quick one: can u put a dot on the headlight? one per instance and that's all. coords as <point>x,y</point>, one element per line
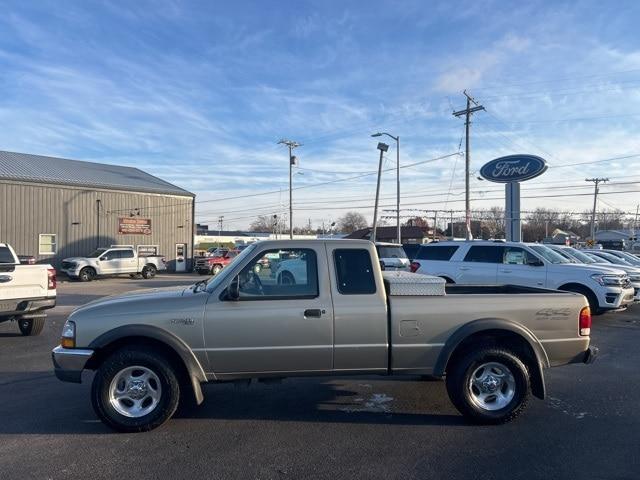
<point>609,279</point>
<point>68,339</point>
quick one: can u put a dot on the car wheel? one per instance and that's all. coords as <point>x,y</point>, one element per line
<point>489,385</point>
<point>87,274</point>
<point>594,306</point>
<point>135,390</point>
<point>31,327</point>
<point>148,272</point>
<point>286,278</point>
<point>216,269</point>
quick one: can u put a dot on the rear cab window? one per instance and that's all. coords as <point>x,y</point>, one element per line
<point>354,272</point>
<point>391,252</point>
<point>6,256</point>
<point>436,252</point>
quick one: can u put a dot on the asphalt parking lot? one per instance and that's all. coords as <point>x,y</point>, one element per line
<point>352,427</point>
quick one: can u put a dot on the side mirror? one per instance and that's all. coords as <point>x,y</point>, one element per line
<point>382,266</point>
<point>535,263</point>
<point>233,290</point>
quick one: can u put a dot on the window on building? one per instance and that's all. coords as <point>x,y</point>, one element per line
<point>47,244</point>
<point>354,271</point>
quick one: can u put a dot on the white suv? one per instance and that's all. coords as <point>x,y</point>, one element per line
<point>530,265</point>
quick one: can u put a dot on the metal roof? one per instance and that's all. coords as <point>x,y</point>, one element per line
<point>61,171</point>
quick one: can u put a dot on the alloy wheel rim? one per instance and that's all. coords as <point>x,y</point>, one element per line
<point>135,391</point>
<point>492,386</point>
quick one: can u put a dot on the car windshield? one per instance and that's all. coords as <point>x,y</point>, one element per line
<point>596,258</point>
<point>632,259</point>
<point>97,253</point>
<point>548,254</point>
<point>391,252</point>
<point>564,254</point>
<point>582,257</point>
<point>612,258</point>
<point>219,278</point>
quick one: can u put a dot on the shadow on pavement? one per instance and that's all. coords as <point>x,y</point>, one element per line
<point>64,408</point>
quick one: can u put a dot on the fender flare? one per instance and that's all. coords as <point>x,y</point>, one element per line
<point>190,362</point>
<point>487,324</point>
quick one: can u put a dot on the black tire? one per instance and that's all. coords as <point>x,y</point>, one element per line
<point>216,269</point>
<point>594,306</point>
<point>286,278</point>
<point>31,327</point>
<point>141,357</point>
<point>461,393</point>
<point>87,274</point>
<point>149,271</point>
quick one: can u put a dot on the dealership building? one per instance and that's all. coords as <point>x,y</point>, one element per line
<point>54,208</point>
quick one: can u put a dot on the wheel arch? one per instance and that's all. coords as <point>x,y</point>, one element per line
<point>178,352</point>
<point>499,332</point>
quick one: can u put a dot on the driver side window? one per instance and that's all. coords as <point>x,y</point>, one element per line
<point>280,274</point>
<point>518,256</point>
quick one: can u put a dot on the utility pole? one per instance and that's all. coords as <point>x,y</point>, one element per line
<point>383,147</point>
<point>292,161</point>
<point>635,223</point>
<point>597,182</point>
<point>435,224</point>
<point>220,219</point>
<point>467,157</point>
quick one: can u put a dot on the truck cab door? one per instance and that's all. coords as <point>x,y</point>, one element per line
<point>108,262</point>
<point>281,321</point>
<point>128,262</point>
<point>521,267</point>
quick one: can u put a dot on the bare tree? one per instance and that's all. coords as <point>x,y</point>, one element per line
<point>351,221</point>
<point>268,223</point>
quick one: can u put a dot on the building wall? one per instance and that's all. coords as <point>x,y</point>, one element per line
<point>29,209</point>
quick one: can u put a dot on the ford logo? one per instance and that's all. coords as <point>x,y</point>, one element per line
<point>513,168</point>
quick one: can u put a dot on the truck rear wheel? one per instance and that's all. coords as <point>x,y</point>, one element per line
<point>216,269</point>
<point>135,390</point>
<point>31,327</point>
<point>489,385</point>
<point>149,271</point>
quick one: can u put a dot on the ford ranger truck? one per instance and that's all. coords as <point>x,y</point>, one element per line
<point>26,292</point>
<point>340,315</point>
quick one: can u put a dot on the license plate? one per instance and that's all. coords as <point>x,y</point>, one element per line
<point>8,306</point>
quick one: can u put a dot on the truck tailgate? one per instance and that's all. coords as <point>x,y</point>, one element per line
<point>22,282</point>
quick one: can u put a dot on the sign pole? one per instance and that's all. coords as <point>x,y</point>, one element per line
<point>512,221</point>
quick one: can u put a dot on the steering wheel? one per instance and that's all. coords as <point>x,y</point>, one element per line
<point>257,282</point>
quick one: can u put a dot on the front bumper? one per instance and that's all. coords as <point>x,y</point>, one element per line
<point>613,298</point>
<point>72,273</point>
<point>68,363</point>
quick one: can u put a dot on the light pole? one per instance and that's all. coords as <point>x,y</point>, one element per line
<point>292,161</point>
<point>397,140</point>
<point>383,147</point>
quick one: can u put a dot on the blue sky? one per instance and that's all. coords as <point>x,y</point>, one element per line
<point>199,92</point>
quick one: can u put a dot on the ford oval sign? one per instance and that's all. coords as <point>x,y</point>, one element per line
<point>513,168</point>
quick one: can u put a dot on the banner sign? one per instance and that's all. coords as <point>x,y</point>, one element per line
<point>134,226</point>
<point>513,168</point>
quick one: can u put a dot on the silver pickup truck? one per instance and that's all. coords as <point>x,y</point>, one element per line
<point>340,315</point>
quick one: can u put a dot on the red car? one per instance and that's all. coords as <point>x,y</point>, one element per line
<point>212,265</point>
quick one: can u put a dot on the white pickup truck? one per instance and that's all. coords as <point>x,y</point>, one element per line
<point>112,261</point>
<point>25,291</point>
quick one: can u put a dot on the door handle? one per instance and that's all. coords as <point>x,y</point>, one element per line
<point>464,268</point>
<point>313,313</point>
<point>5,278</point>
<point>505,271</point>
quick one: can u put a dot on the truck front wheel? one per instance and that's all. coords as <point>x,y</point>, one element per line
<point>149,271</point>
<point>135,390</point>
<point>489,385</point>
<point>31,327</point>
<point>87,274</point>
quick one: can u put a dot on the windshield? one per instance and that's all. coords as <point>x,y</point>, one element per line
<point>632,259</point>
<point>97,253</point>
<point>391,252</point>
<point>548,254</point>
<point>612,258</point>
<point>580,256</point>
<point>220,277</point>
<point>597,259</point>
<point>564,254</point>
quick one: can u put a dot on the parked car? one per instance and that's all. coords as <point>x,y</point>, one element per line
<point>27,259</point>
<point>26,292</point>
<point>149,349</point>
<point>628,257</point>
<point>533,265</point>
<point>392,256</point>
<point>112,261</point>
<point>212,265</point>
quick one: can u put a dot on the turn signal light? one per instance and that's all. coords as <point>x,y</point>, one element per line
<point>51,285</point>
<point>68,342</point>
<point>585,321</point>
<point>414,267</point>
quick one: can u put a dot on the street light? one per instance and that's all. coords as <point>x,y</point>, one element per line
<point>383,147</point>
<point>397,140</point>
